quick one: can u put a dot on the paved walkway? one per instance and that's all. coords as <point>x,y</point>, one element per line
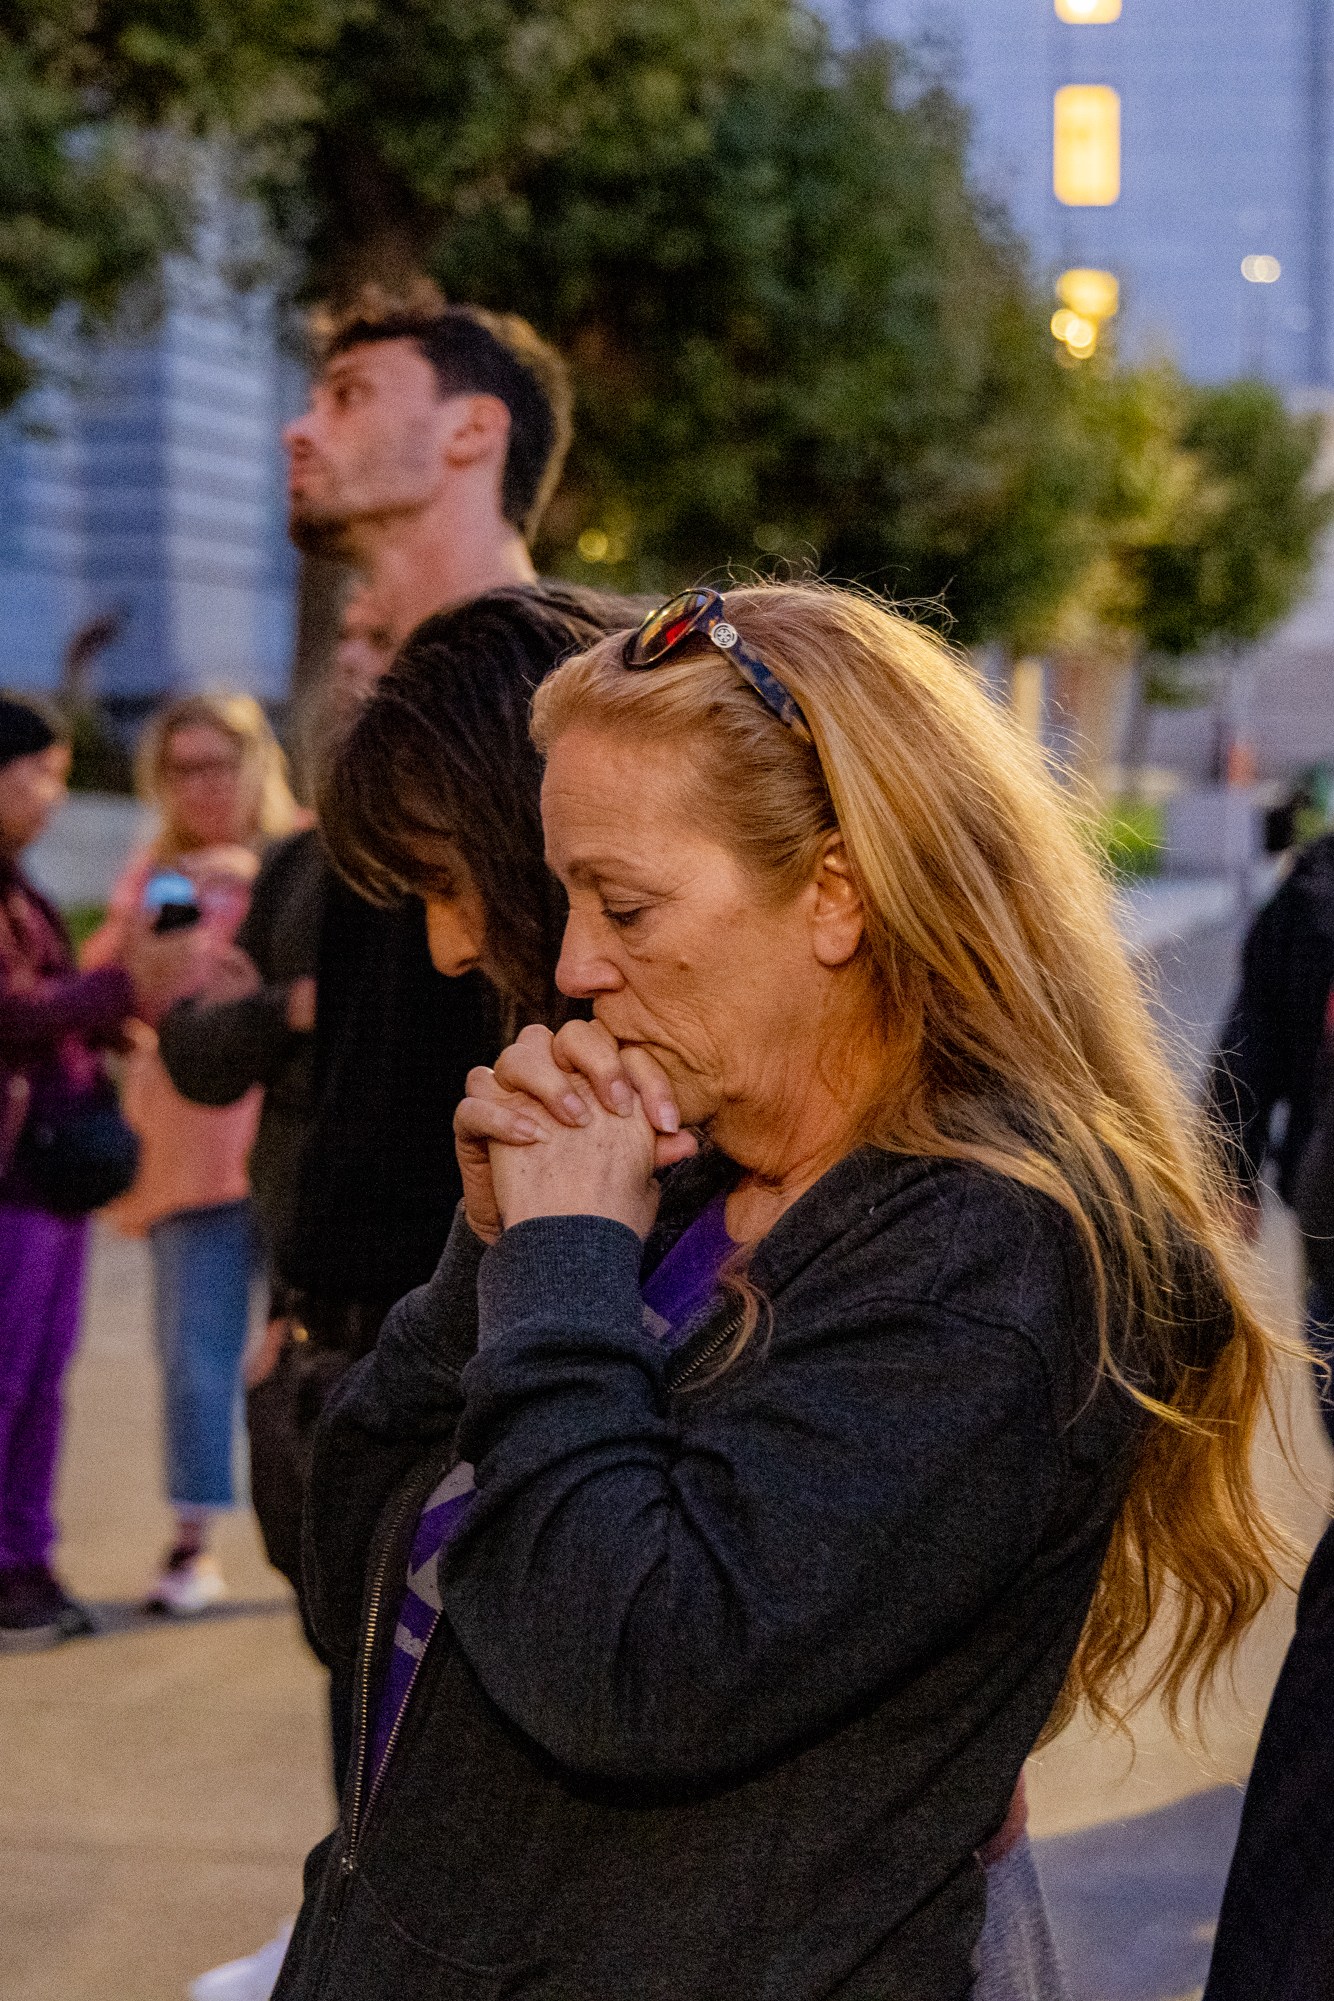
<point>161,1783</point>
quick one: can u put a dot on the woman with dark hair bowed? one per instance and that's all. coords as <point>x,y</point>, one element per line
<point>434,791</point>
<point>835,1365</point>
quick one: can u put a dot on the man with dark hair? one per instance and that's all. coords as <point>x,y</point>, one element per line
<point>432,442</point>
<point>431,446</point>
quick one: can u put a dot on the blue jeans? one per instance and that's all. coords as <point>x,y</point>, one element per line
<point>203,1260</point>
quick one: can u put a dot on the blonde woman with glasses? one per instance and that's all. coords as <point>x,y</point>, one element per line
<point>216,776</point>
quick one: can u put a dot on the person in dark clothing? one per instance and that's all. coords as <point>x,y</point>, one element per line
<point>431,444</point>
<point>1270,1044</point>
<point>393,1045</point>
<point>710,1550</point>
<point>1275,1937</point>
<point>354,1167</point>
<point>217,1048</point>
<point>433,794</point>
<point>54,1022</point>
<point>1269,1062</point>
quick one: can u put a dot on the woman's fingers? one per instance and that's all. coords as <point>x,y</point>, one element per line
<point>669,1148</point>
<point>490,1112</point>
<point>618,1073</point>
<point>561,1071</point>
<point>529,1065</point>
<point>651,1082</point>
<point>588,1050</point>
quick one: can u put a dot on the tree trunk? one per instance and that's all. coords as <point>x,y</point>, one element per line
<point>322,591</point>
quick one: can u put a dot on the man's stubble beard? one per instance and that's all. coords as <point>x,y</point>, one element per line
<point>331,536</point>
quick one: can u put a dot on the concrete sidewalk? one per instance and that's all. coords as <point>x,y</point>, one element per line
<point>162,1782</point>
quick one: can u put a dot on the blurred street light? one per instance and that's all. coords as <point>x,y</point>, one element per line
<point>598,545</point>
<point>1079,335</point>
<point>1086,145</point>
<point>1095,294</point>
<point>1084,13</point>
<point>1088,297</point>
<point>1259,270</point>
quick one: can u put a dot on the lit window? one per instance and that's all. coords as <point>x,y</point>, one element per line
<point>1085,12</point>
<point>1086,150</point>
<point>1094,295</point>
<point>1261,270</point>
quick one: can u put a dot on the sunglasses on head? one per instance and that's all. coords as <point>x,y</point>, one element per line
<point>700,615</point>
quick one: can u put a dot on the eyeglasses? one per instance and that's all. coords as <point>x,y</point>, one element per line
<point>182,770</point>
<point>700,615</point>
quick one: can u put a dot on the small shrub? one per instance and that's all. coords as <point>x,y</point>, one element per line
<point>1128,835</point>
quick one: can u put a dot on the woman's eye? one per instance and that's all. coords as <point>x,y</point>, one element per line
<point>622,918</point>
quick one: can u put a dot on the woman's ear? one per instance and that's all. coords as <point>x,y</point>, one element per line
<point>838,917</point>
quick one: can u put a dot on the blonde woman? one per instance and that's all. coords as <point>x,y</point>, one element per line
<point>835,1364</point>
<point>216,775</point>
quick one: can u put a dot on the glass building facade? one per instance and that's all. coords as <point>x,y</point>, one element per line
<point>1225,158</point>
<point>144,479</point>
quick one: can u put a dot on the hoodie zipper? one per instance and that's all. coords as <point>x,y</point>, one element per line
<point>676,1378</point>
<point>413,1496</point>
<point>407,1501</point>
<point>731,1325</point>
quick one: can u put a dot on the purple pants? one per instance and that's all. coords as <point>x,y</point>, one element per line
<point>41,1291</point>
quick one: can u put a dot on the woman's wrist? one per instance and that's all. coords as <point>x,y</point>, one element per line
<point>632,1213</point>
<point>485,1231</point>
<point>576,1272</point>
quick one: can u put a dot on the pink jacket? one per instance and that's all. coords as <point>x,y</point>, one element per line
<point>193,1156</point>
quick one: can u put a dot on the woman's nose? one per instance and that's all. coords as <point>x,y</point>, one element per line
<point>582,970</point>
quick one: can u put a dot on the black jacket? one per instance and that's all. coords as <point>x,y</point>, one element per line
<point>394,1042</point>
<point>215,1053</point>
<point>1276,1928</point>
<point>731,1680</point>
<point>354,1165</point>
<point>1269,1047</point>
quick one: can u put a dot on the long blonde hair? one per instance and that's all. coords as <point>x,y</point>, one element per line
<point>1017,1038</point>
<point>271,809</point>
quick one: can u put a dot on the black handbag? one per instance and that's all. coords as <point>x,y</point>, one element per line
<point>78,1158</point>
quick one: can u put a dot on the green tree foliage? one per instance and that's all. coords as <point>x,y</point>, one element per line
<point>84,208</point>
<point>1236,561</point>
<point>1203,528</point>
<point>797,334</point>
<point>1205,518</point>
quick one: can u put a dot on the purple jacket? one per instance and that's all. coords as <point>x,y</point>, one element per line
<point>53,1018</point>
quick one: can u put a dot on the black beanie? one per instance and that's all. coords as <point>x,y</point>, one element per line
<point>24,730</point>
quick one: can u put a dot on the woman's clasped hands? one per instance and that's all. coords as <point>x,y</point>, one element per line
<point>571,1124</point>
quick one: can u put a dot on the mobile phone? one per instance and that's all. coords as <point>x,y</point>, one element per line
<point>169,899</point>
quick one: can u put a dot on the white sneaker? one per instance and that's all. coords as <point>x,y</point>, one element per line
<point>250,1979</point>
<point>189,1582</point>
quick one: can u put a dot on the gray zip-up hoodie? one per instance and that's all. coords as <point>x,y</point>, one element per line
<point>731,1681</point>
